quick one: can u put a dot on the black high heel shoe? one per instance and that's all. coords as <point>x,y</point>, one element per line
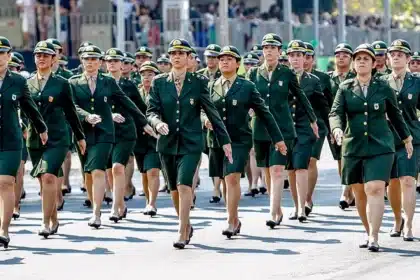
<point>343,205</point>
<point>229,233</point>
<point>194,199</point>
<point>54,230</point>
<point>180,244</point>
<point>373,247</point>
<point>83,189</point>
<point>302,218</point>
<point>61,207</point>
<point>308,209</point>
<point>87,203</point>
<point>190,235</point>
<point>4,241</point>
<point>124,215</point>
<point>272,224</point>
<point>16,215</point>
<point>44,232</point>
<point>114,218</point>
<point>397,233</point>
<point>286,184</point>
<point>214,199</point>
<point>23,195</point>
<point>263,190</point>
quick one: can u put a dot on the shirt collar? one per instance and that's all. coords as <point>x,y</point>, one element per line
<point>273,68</point>
<point>3,75</point>
<point>43,77</point>
<point>94,77</point>
<point>402,75</point>
<point>231,79</point>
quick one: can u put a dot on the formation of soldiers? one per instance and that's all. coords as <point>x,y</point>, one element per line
<point>269,125</point>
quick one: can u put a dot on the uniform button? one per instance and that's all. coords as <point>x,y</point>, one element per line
<point>92,108</point>
<point>366,133</point>
<point>294,106</point>
<point>224,118</point>
<point>144,133</point>
<point>39,94</point>
<point>397,92</point>
<point>399,102</point>
<point>177,111</point>
<point>177,120</point>
<point>365,113</point>
<point>39,103</point>
<point>113,106</point>
<point>365,103</point>
<point>177,102</point>
<point>294,114</point>
<point>268,95</point>
<point>224,109</point>
<point>294,123</point>
<point>223,100</point>
<point>268,84</point>
<point>294,97</point>
<point>92,99</point>
<point>0,95</point>
<point>365,123</point>
<point>177,129</point>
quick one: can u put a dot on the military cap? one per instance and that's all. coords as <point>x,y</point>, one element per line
<point>296,46</point>
<point>91,52</point>
<point>212,50</point>
<point>14,61</point>
<point>283,55</point>
<point>63,60</point>
<point>149,65</point>
<point>144,51</point>
<point>230,50</point>
<point>44,47</point>
<point>310,50</point>
<point>271,39</point>
<point>20,56</point>
<point>379,47</point>
<point>164,58</point>
<point>251,58</point>
<point>401,46</point>
<point>366,48</point>
<point>343,47</point>
<point>194,52</point>
<point>415,56</point>
<point>257,49</point>
<point>114,53</point>
<point>57,45</point>
<point>4,44</point>
<point>83,45</point>
<point>129,57</point>
<point>179,45</point>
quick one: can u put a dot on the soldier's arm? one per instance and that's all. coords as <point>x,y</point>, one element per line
<point>82,114</point>
<point>301,97</point>
<point>394,114</point>
<point>212,114</point>
<point>28,106</point>
<point>337,116</point>
<point>136,98</point>
<point>70,110</point>
<point>320,101</point>
<point>257,104</point>
<point>154,109</point>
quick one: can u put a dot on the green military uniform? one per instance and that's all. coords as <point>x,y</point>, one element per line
<point>126,132</point>
<point>14,94</point>
<point>336,80</point>
<point>147,157</point>
<point>408,102</point>
<point>368,144</point>
<point>101,136</point>
<point>276,90</point>
<point>206,73</point>
<point>64,73</point>
<point>53,96</point>
<point>180,150</point>
<point>141,51</point>
<point>380,49</point>
<point>233,106</point>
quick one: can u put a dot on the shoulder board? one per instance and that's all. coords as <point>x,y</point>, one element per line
<point>347,82</point>
<point>200,76</point>
<point>77,76</point>
<point>201,71</point>
<point>163,75</point>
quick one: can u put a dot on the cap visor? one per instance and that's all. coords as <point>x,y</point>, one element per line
<point>399,49</point>
<point>4,49</point>
<point>112,57</point>
<point>211,53</point>
<point>365,51</point>
<point>91,55</point>
<point>44,50</point>
<point>144,53</point>
<point>232,54</point>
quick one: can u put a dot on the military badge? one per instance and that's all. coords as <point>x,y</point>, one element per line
<point>176,43</point>
<point>192,101</point>
<point>269,37</point>
<point>13,97</point>
<point>398,43</point>
<point>89,49</point>
<point>376,106</point>
<point>142,49</point>
<point>211,47</point>
<point>105,99</point>
<point>112,52</point>
<point>377,47</point>
<point>410,96</point>
<point>234,102</point>
<point>281,83</point>
<point>295,44</point>
<point>50,99</point>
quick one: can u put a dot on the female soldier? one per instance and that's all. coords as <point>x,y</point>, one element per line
<point>148,161</point>
<point>53,95</point>
<point>404,171</point>
<point>360,109</point>
<point>234,97</point>
<point>175,103</point>
<point>125,134</point>
<point>276,83</point>
<point>414,64</point>
<point>92,93</point>
<point>305,141</point>
<point>13,91</point>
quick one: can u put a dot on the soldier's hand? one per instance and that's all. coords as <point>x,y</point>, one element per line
<point>208,125</point>
<point>409,146</point>
<point>118,118</point>
<point>44,137</point>
<point>82,146</point>
<point>281,147</point>
<point>25,134</point>
<point>93,119</point>
<point>315,129</point>
<point>162,128</point>
<point>338,136</point>
<point>228,152</point>
<point>149,130</point>
<point>332,140</point>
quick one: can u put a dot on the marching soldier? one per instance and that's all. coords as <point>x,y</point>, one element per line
<point>192,61</point>
<point>233,97</point>
<point>284,59</point>
<point>142,55</point>
<point>381,68</point>
<point>175,104</point>
<point>13,92</point>
<point>404,170</point>
<point>323,124</point>
<point>212,71</point>
<point>358,120</point>
<point>258,50</point>
<point>164,63</point>
<point>52,94</point>
<point>414,64</point>
<point>92,93</point>
<point>250,60</point>
<point>63,62</point>
<point>79,69</point>
<point>306,139</point>
<point>343,60</point>
<point>276,84</point>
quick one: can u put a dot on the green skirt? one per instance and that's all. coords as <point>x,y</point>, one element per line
<point>121,152</point>
<point>219,165</point>
<point>403,166</point>
<point>48,160</point>
<point>10,162</point>
<point>179,169</point>
<point>147,161</point>
<point>266,155</point>
<point>96,157</point>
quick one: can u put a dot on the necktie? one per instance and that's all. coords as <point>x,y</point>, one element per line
<point>398,82</point>
<point>365,90</point>
<point>42,83</point>
<point>178,85</point>
<point>92,85</point>
<point>1,81</point>
<point>226,86</point>
<point>342,77</point>
<point>298,78</point>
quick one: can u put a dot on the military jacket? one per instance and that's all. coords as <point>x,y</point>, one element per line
<point>234,107</point>
<point>325,85</point>
<point>64,73</point>
<point>55,103</point>
<point>335,80</point>
<point>206,72</point>
<point>107,91</point>
<point>408,102</point>
<point>363,119</point>
<point>275,93</point>
<point>15,95</point>
<point>182,114</point>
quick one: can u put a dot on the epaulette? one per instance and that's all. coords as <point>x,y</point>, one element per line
<point>200,76</point>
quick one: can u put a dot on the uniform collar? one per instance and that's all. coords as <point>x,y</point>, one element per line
<point>3,75</point>
<point>231,79</point>
<point>43,77</point>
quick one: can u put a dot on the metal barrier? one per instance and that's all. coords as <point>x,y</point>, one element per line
<point>100,28</point>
